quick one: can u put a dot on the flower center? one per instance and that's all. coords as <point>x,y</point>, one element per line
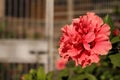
<point>92,44</point>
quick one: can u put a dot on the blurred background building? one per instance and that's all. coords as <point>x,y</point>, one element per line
<point>30,31</point>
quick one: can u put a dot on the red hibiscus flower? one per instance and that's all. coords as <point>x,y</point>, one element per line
<point>85,40</point>
<point>61,64</point>
<point>116,32</point>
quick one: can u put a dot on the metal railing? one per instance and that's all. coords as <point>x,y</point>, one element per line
<point>15,71</point>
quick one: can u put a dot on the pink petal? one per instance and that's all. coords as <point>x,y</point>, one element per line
<point>102,47</point>
<point>105,29</point>
<point>73,52</point>
<point>90,37</point>
<point>101,37</point>
<point>86,45</point>
<point>90,13</point>
<point>61,63</point>
<point>76,20</point>
<point>94,58</point>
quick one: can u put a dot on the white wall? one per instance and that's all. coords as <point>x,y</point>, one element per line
<point>18,51</point>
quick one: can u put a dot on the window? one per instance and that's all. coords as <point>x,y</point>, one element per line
<point>25,8</point>
<point>61,2</point>
<point>17,8</point>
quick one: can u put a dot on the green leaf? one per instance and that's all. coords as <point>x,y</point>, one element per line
<point>64,72</point>
<point>33,74</point>
<point>30,75</point>
<point>70,64</point>
<point>50,75</point>
<point>115,59</point>
<point>77,77</point>
<point>27,77</point>
<point>41,74</point>
<point>85,76</point>
<point>78,69</point>
<point>90,68</point>
<point>107,19</point>
<point>38,74</point>
<point>115,39</point>
<point>90,76</point>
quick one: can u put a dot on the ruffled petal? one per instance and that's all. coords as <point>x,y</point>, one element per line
<point>102,47</point>
<point>105,29</point>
